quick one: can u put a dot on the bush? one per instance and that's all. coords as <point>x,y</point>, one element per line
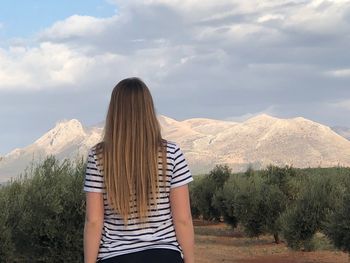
<point>42,212</point>
<point>283,177</point>
<point>203,190</point>
<point>194,187</point>
<point>219,175</point>
<point>273,202</point>
<point>6,246</point>
<point>305,217</point>
<point>254,201</point>
<point>247,205</point>
<point>337,225</point>
<point>45,218</point>
<point>223,201</point>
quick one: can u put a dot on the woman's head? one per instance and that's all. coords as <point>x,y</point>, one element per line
<point>130,148</point>
<point>131,108</point>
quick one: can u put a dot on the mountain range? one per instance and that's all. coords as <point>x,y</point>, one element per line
<point>258,141</point>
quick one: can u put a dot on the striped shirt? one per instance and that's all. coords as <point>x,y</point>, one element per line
<point>159,233</point>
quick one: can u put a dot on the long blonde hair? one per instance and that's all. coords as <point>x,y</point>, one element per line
<point>129,150</point>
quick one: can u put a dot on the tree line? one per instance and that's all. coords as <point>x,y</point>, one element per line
<point>282,201</point>
<point>42,211</point>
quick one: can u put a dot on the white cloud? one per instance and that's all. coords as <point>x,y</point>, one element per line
<point>77,26</point>
<point>340,73</point>
<point>162,38</point>
<point>45,66</point>
<point>238,33</point>
<point>269,17</point>
<point>322,17</point>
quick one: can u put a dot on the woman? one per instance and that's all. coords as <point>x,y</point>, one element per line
<point>137,200</point>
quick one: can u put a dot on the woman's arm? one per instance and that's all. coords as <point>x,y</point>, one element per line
<point>93,225</point>
<point>181,213</point>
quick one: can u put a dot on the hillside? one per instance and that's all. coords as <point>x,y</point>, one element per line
<point>260,140</point>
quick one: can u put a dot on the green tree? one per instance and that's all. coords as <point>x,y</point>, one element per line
<point>282,177</point>
<point>337,225</point>
<point>219,175</point>
<point>203,191</point>
<point>223,201</point>
<point>46,215</point>
<point>253,201</point>
<point>6,246</point>
<point>305,217</point>
<point>273,204</point>
<point>201,197</point>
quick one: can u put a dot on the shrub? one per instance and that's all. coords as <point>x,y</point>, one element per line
<point>282,177</point>
<point>6,246</point>
<point>202,192</point>
<point>305,217</point>
<point>45,218</point>
<point>223,201</point>
<point>337,224</point>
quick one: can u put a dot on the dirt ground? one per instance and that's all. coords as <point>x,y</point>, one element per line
<point>232,246</point>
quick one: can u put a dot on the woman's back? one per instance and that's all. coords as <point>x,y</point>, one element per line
<point>159,231</point>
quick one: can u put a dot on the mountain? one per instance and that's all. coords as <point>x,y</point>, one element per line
<point>67,139</point>
<point>259,141</point>
<point>343,131</point>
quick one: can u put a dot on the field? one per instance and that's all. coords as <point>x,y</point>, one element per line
<point>216,242</point>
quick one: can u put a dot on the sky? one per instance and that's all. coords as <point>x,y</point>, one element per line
<point>224,59</point>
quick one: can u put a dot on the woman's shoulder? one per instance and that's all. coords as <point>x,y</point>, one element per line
<point>96,148</point>
<point>96,151</point>
<point>171,145</point>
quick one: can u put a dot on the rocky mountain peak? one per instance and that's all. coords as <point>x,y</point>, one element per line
<point>64,132</point>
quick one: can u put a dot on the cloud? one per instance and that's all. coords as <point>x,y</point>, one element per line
<point>270,17</point>
<point>322,17</point>
<point>233,51</point>
<point>162,35</point>
<point>77,26</point>
<point>47,65</point>
<point>340,73</point>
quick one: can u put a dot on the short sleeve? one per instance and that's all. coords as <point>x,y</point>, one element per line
<point>93,181</point>
<point>181,173</point>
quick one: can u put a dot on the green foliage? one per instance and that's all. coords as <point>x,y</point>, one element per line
<point>42,213</point>
<point>337,223</point>
<point>254,200</point>
<point>254,203</point>
<point>194,189</point>
<point>203,190</point>
<point>6,246</point>
<point>201,198</point>
<point>219,175</point>
<point>282,178</point>
<point>273,202</point>
<point>293,202</point>
<point>249,171</point>
<point>247,205</point>
<point>45,213</point>
<point>305,217</point>
<point>223,201</point>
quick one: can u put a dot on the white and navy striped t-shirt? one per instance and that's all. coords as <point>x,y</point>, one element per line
<point>160,232</point>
